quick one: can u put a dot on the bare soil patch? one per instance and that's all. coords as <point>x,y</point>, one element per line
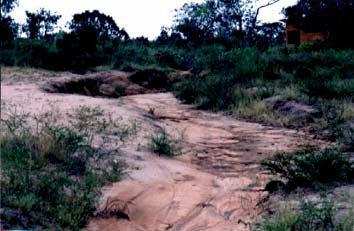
<point>216,184</point>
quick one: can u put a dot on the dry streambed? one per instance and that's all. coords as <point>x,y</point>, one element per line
<point>216,184</point>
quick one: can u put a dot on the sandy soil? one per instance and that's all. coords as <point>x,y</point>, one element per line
<point>216,184</point>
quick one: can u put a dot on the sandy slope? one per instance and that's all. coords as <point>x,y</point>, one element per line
<point>215,185</point>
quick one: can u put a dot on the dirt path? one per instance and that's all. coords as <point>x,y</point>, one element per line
<point>215,185</point>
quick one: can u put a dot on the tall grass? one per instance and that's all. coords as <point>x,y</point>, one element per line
<point>240,79</point>
<point>312,167</point>
<point>52,171</point>
<point>163,144</point>
<point>309,217</point>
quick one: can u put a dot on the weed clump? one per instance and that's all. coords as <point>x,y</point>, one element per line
<point>311,167</point>
<point>240,81</point>
<point>309,217</point>
<point>52,171</point>
<point>161,143</point>
<point>150,78</point>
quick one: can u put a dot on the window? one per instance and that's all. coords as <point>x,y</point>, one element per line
<point>294,37</point>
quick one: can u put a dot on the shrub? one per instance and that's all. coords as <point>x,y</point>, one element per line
<point>239,80</point>
<point>7,56</point>
<point>189,89</point>
<point>309,217</point>
<point>33,53</point>
<point>326,84</point>
<point>173,57</point>
<point>119,90</point>
<point>335,122</point>
<point>207,57</point>
<point>51,172</point>
<point>314,66</point>
<point>133,53</point>
<point>150,78</point>
<point>223,73</point>
<point>282,220</point>
<point>316,45</point>
<point>162,144</point>
<point>311,167</point>
<point>145,55</point>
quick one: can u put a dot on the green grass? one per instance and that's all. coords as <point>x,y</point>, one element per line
<point>238,80</point>
<point>52,172</point>
<point>163,144</point>
<point>134,57</point>
<point>93,119</point>
<point>309,217</point>
<point>282,220</point>
<point>311,167</point>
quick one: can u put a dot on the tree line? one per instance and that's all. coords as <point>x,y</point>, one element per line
<point>92,36</point>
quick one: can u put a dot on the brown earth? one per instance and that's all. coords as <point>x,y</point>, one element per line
<point>105,84</point>
<point>216,184</point>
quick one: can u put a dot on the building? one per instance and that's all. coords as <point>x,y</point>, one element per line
<point>295,35</point>
<point>308,22</point>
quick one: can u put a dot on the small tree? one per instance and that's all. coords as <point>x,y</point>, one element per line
<point>213,20</point>
<point>195,21</point>
<point>39,24</point>
<point>85,46</point>
<point>102,26</point>
<point>7,6</point>
<point>269,34</point>
<point>8,27</point>
<point>50,21</point>
<point>33,25</point>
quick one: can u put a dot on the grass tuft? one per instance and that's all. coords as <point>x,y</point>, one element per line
<point>162,144</point>
<point>311,167</point>
<point>309,217</point>
<point>52,172</point>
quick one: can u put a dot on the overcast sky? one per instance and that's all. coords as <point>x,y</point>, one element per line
<point>138,17</point>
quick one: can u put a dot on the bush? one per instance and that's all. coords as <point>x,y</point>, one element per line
<point>173,57</point>
<point>145,55</point>
<point>313,66</point>
<point>314,46</point>
<point>7,56</point>
<point>211,92</point>
<point>132,53</point>
<point>326,83</point>
<point>239,79</point>
<point>215,89</point>
<point>189,89</point>
<point>119,90</point>
<point>33,53</point>
<point>336,123</point>
<point>151,78</point>
<point>207,57</point>
<point>311,167</point>
<point>239,63</point>
<point>162,144</point>
<point>52,172</point>
<point>309,217</point>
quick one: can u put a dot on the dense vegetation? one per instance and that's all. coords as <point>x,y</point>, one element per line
<point>312,167</point>
<point>309,217</point>
<point>257,86</point>
<point>95,39</point>
<point>52,172</point>
<point>163,144</point>
<point>235,64</point>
